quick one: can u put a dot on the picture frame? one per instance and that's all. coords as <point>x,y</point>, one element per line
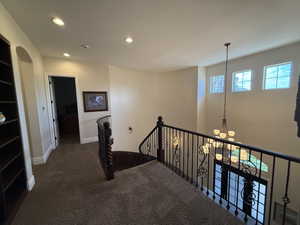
<point>94,101</point>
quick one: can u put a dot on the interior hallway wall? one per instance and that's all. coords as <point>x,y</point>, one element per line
<point>17,38</point>
<point>89,76</point>
<point>26,71</point>
<point>138,98</point>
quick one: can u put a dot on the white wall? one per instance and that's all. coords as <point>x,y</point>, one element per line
<point>138,98</point>
<point>12,32</point>
<point>88,76</point>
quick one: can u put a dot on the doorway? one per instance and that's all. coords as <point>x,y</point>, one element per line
<point>64,109</point>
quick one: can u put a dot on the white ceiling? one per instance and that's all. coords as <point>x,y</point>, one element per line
<point>168,34</point>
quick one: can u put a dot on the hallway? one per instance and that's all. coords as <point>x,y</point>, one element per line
<point>71,190</point>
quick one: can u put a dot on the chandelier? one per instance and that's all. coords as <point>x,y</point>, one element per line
<point>225,152</point>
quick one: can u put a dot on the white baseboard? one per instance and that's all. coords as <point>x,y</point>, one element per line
<point>43,159</point>
<point>38,160</point>
<point>89,140</point>
<point>30,183</point>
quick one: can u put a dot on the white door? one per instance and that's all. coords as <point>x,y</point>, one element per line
<point>54,112</point>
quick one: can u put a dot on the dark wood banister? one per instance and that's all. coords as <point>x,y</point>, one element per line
<point>145,139</point>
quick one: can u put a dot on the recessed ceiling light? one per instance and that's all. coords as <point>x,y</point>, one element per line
<point>67,54</point>
<point>85,46</point>
<point>129,40</point>
<point>58,21</point>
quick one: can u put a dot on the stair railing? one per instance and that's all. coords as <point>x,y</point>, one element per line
<point>105,143</point>
<point>254,184</point>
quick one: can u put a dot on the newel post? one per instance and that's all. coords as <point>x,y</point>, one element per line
<point>160,150</point>
<point>108,141</point>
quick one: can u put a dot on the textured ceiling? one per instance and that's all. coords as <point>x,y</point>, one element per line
<point>168,34</point>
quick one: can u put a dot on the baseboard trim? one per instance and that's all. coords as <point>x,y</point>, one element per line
<point>30,183</point>
<point>43,159</point>
<point>47,153</point>
<point>38,160</point>
<point>89,140</point>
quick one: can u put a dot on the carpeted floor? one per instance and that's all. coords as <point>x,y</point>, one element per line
<point>71,190</point>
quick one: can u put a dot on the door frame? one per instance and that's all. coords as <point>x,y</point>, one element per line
<point>48,99</point>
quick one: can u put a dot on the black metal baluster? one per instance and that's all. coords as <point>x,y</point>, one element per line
<point>214,180</point>
<point>249,159</point>
<point>286,199</point>
<point>238,185</point>
<point>258,191</point>
<point>229,177</point>
<point>183,155</point>
<point>192,177</point>
<point>197,177</point>
<point>169,147</point>
<point>271,189</point>
<point>180,150</point>
<point>166,146</point>
<point>188,157</point>
<point>152,143</point>
<point>208,169</point>
<point>203,141</point>
<point>222,168</point>
<point>177,151</point>
<point>172,149</point>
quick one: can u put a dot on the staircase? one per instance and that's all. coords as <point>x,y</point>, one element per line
<point>252,184</point>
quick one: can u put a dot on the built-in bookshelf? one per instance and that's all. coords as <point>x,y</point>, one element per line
<point>12,167</point>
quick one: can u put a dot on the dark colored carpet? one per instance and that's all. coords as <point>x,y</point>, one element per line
<point>71,190</point>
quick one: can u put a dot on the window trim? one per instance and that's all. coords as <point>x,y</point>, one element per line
<point>239,172</point>
<point>277,64</point>
<point>232,80</point>
<point>210,80</point>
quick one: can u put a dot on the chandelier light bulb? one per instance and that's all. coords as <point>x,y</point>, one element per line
<point>223,135</point>
<point>231,133</point>
<point>219,156</point>
<point>217,132</point>
<point>231,139</point>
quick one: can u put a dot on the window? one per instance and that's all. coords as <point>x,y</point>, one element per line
<point>229,182</point>
<point>277,76</point>
<point>216,84</point>
<point>241,81</point>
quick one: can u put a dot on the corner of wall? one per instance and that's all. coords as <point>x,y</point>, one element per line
<point>30,183</point>
<point>201,100</point>
<point>43,159</point>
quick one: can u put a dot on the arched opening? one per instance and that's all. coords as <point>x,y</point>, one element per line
<point>30,101</point>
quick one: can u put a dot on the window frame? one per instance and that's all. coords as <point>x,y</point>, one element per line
<point>210,83</point>
<point>277,64</point>
<point>232,80</point>
<point>224,188</point>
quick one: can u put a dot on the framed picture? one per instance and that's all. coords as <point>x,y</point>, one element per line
<point>95,101</point>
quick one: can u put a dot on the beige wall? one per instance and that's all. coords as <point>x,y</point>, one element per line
<point>88,77</point>
<point>30,104</point>
<point>138,98</point>
<point>263,118</point>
